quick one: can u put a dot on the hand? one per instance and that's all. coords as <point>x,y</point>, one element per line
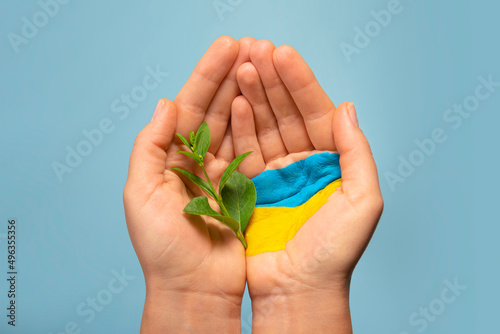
<point>283,116</point>
<point>194,266</point>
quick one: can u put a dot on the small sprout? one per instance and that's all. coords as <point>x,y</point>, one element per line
<point>236,196</point>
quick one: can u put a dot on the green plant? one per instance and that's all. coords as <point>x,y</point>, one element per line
<point>236,196</point>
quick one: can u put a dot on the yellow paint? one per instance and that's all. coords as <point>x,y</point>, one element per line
<point>270,228</point>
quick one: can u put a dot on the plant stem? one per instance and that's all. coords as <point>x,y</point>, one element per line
<point>240,236</point>
<point>208,179</point>
<point>218,199</point>
<point>223,208</point>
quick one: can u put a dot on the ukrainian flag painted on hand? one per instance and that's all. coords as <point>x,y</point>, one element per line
<point>287,198</point>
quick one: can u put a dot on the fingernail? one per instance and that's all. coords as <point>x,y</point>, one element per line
<point>352,113</point>
<point>159,107</point>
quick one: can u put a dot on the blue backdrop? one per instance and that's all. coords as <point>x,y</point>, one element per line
<point>425,79</point>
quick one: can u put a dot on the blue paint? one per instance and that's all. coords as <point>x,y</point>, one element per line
<point>298,182</point>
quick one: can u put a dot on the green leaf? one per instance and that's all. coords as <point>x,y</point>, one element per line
<point>184,140</point>
<point>200,206</point>
<point>198,181</point>
<point>239,197</point>
<point>230,170</point>
<point>191,155</point>
<point>202,139</point>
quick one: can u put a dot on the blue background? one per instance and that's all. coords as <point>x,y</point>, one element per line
<point>441,223</point>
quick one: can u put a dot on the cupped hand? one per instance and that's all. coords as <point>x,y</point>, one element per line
<point>283,116</point>
<point>183,254</point>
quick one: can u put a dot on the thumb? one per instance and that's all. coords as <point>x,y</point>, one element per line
<point>148,157</point>
<point>359,172</point>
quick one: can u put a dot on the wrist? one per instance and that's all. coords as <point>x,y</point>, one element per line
<point>189,312</point>
<point>309,312</point>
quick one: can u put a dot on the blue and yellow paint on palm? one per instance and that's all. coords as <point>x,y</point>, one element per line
<point>287,197</point>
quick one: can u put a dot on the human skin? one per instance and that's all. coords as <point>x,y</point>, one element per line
<point>194,266</point>
<point>283,116</point>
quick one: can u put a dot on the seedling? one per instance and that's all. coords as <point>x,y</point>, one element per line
<point>236,196</point>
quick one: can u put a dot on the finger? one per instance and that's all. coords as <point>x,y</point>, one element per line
<point>359,172</point>
<point>148,157</point>
<point>290,122</point>
<point>314,104</point>
<point>245,137</point>
<point>195,96</point>
<point>266,126</point>
<point>219,111</point>
<point>226,149</point>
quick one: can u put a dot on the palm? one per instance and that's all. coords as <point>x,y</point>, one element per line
<point>324,249</point>
<point>312,255</point>
<point>204,242</point>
